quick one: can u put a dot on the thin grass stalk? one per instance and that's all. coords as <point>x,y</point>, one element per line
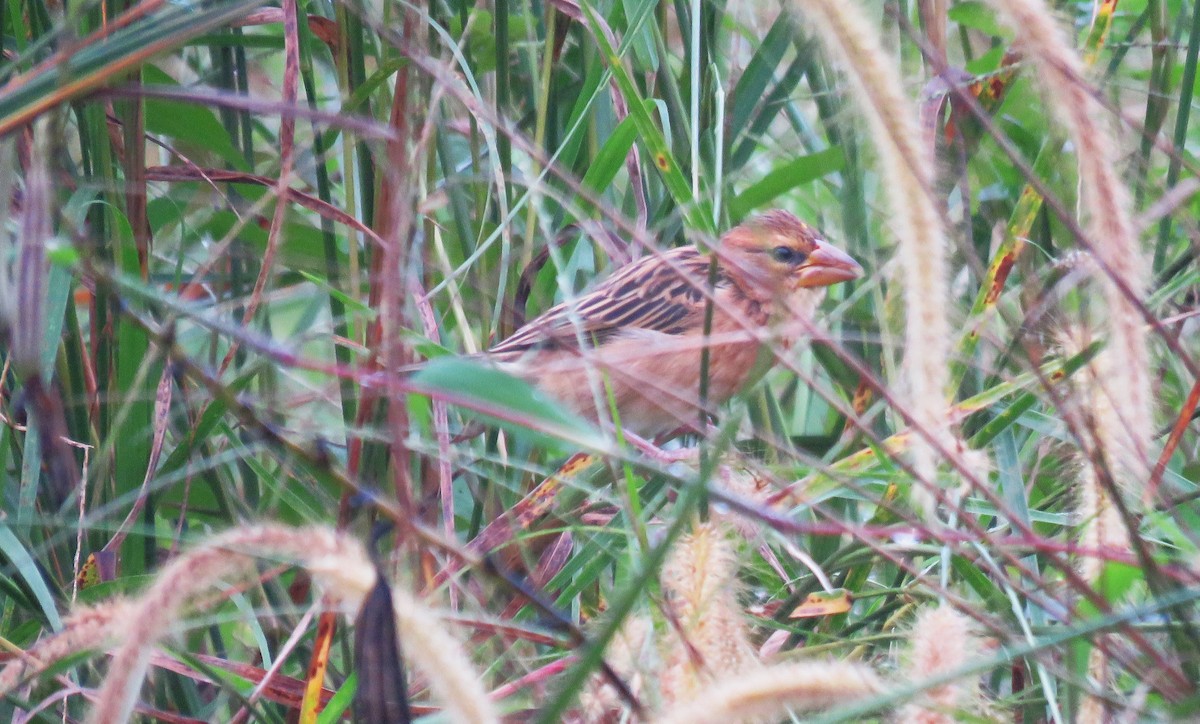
<point>10,252</point>
<point>718,186</point>
<point>287,137</point>
<point>694,95</point>
<point>1105,200</point>
<point>908,170</point>
<point>25,313</point>
<point>396,222</point>
<point>539,133</point>
<point>933,22</point>
<point>1158,94</point>
<point>503,145</point>
<point>1186,89</point>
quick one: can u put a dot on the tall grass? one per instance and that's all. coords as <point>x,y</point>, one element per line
<point>235,229</point>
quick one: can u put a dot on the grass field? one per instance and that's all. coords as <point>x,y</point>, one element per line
<point>251,473</point>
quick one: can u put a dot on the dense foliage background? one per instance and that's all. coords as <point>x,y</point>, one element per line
<point>230,220</point>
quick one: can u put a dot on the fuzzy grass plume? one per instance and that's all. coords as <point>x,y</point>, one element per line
<point>908,170</point>
<point>87,629</point>
<point>709,672</point>
<point>711,643</point>
<point>443,660</point>
<point>770,693</point>
<point>1101,523</point>
<point>338,562</point>
<point>1098,421</point>
<point>942,640</point>
<point>632,654</point>
<point>1106,205</point>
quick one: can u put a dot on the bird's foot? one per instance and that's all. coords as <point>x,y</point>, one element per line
<point>666,457</point>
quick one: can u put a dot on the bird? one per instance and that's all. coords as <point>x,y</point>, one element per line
<point>635,341</point>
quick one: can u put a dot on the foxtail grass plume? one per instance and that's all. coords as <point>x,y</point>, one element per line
<point>908,175</point>
<point>1101,523</point>
<point>710,673</point>
<point>1100,427</point>
<point>340,565</point>
<point>87,629</point>
<point>632,655</point>
<point>712,643</point>
<point>1092,707</point>
<point>942,641</point>
<point>769,693</point>
<point>442,659</point>
<point>1106,205</point>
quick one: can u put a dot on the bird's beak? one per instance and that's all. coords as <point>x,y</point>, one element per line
<point>826,265</point>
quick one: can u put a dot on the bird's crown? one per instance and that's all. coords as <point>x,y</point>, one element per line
<point>778,252</point>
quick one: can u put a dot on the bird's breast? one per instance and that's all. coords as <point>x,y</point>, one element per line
<point>652,377</point>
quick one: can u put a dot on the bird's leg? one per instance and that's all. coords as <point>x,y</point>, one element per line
<point>656,453</point>
<point>710,430</point>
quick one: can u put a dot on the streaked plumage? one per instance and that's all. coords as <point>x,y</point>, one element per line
<point>640,331</point>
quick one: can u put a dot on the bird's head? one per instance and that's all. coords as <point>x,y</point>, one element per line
<point>777,254</point>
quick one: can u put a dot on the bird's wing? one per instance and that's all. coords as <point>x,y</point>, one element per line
<point>662,293</point>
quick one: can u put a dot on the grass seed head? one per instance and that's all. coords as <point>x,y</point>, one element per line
<point>700,578</point>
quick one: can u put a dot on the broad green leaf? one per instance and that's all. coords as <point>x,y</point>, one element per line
<point>503,400</point>
<point>1012,482</point>
<point>977,16</point>
<point>192,124</point>
<point>785,178</point>
<point>90,65</point>
<point>611,158</point>
<point>698,212</point>
<point>17,556</point>
<point>752,85</point>
<point>340,702</point>
<point>641,41</point>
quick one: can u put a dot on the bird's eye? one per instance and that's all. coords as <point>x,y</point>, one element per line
<point>787,255</point>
